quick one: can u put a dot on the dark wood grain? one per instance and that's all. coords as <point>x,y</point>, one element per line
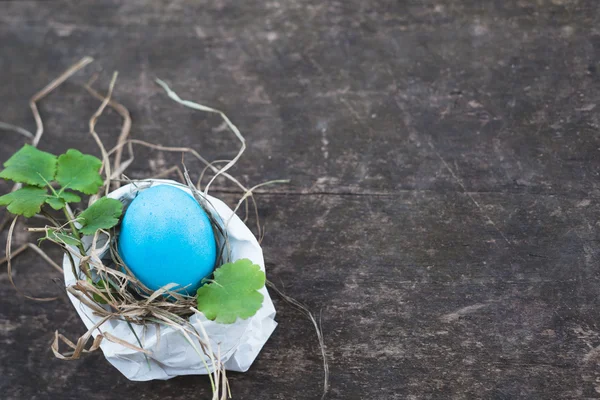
<point>443,209</point>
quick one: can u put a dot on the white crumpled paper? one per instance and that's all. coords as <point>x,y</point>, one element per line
<point>173,355</point>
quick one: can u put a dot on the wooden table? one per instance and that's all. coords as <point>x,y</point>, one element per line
<point>442,215</point>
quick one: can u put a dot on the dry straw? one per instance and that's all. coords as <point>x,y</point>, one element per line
<point>122,296</point>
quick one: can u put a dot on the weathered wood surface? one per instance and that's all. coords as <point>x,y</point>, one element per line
<point>443,210</point>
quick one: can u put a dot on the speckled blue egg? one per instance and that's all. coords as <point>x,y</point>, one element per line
<point>166,237</point>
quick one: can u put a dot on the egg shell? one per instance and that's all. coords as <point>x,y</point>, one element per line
<point>166,237</point>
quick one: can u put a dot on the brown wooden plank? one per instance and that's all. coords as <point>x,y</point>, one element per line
<point>444,199</point>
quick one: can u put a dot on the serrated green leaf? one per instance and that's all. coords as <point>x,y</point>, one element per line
<point>69,197</point>
<point>233,292</point>
<point>31,166</point>
<point>61,237</point>
<point>26,201</point>
<point>103,214</point>
<point>79,172</point>
<point>56,202</point>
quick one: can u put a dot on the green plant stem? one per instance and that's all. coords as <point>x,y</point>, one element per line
<point>75,232</point>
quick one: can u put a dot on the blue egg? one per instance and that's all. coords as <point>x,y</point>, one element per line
<point>166,237</point>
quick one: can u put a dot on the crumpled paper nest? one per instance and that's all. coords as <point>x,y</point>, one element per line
<point>168,352</point>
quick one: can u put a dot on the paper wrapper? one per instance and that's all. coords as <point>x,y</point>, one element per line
<point>172,354</point>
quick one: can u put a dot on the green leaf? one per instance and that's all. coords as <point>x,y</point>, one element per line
<point>103,214</point>
<point>69,197</point>
<point>56,202</point>
<point>79,172</point>
<point>26,201</point>
<point>233,293</point>
<point>30,165</point>
<point>101,285</point>
<point>60,237</point>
